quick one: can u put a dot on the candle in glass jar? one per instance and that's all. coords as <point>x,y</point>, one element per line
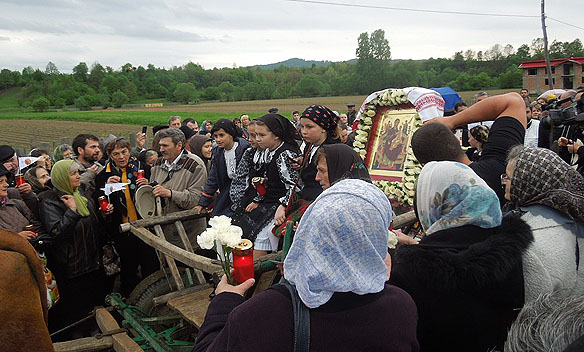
<point>243,261</point>
<point>140,174</point>
<point>102,203</point>
<point>259,186</point>
<point>19,178</point>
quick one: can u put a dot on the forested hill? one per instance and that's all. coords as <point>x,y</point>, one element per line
<point>104,86</point>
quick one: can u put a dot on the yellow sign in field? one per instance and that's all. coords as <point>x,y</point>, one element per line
<point>154,105</point>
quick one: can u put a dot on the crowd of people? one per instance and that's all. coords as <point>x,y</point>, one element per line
<point>502,225</point>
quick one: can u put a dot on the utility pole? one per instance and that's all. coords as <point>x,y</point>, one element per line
<point>545,46</point>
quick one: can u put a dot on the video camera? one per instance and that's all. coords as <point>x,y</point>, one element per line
<point>572,115</point>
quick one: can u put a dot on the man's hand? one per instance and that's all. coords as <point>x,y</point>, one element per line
<point>563,142</point>
<point>27,235</point>
<point>93,168</point>
<point>297,162</point>
<point>280,216</point>
<point>251,206</point>
<point>573,148</point>
<point>403,238</point>
<point>240,289</point>
<point>198,208</point>
<point>141,182</point>
<point>69,202</point>
<point>109,209</point>
<point>160,191</point>
<point>113,179</point>
<point>24,188</point>
<point>140,139</point>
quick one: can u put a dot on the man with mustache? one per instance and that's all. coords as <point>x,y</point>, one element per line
<point>87,153</point>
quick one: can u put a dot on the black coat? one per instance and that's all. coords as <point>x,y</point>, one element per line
<point>76,248</point>
<point>219,181</point>
<point>118,199</point>
<point>467,283</point>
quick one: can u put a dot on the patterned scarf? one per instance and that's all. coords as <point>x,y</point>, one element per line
<point>322,116</point>
<point>542,177</point>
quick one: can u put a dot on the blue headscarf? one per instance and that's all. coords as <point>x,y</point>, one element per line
<point>340,243</point>
<point>450,194</point>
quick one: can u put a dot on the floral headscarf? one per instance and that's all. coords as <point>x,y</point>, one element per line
<point>542,177</point>
<point>61,181</point>
<point>338,249</point>
<point>480,133</point>
<point>449,194</point>
<point>322,116</point>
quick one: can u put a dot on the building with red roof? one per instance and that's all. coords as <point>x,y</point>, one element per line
<point>566,74</point>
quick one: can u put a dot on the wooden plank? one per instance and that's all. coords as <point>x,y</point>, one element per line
<point>191,259</point>
<point>166,219</point>
<point>121,342</point>
<point>170,261</point>
<point>185,240</point>
<point>404,220</point>
<point>192,307</point>
<point>86,344</point>
<point>167,297</point>
<point>265,281</point>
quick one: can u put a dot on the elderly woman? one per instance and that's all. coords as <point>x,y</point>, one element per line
<point>550,195</point>
<point>337,277</point>
<point>63,151</point>
<point>75,255</point>
<point>465,275</point>
<point>202,146</point>
<point>335,162</point>
<point>39,179</point>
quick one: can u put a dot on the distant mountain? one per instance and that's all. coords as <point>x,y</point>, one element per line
<point>296,62</point>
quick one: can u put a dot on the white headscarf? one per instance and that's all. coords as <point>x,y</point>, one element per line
<point>450,194</point>
<point>340,243</point>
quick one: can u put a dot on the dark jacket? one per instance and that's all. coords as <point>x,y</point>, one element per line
<point>76,248</point>
<point>467,283</point>
<point>219,181</point>
<point>311,188</point>
<point>384,321</point>
<point>118,199</point>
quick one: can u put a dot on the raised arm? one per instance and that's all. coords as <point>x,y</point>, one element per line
<point>510,104</point>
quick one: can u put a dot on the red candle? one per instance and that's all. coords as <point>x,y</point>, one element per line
<point>102,203</point>
<point>19,179</point>
<point>243,261</point>
<point>140,174</point>
<point>259,186</point>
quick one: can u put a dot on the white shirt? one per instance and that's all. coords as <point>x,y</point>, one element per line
<point>531,133</point>
<point>230,161</point>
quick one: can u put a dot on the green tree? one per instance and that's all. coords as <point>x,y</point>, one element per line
<point>40,104</point>
<point>59,103</point>
<point>80,71</point>
<point>96,75</point>
<point>81,103</point>
<point>119,99</point>
<point>185,92</point>
<point>51,69</point>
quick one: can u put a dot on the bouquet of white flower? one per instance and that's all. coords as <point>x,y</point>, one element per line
<point>222,237</point>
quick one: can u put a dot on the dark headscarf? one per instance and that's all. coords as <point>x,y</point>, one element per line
<point>228,126</point>
<point>480,133</point>
<point>281,127</point>
<point>187,131</point>
<point>344,163</point>
<point>542,177</point>
<point>31,178</point>
<point>6,153</point>
<point>196,146</point>
<point>322,116</point>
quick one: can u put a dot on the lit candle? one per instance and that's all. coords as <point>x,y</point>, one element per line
<point>243,261</point>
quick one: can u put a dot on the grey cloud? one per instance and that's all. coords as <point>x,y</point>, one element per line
<point>4,38</point>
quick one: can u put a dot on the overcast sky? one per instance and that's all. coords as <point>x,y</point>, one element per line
<point>247,32</point>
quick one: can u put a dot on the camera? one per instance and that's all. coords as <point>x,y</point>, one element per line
<point>572,115</point>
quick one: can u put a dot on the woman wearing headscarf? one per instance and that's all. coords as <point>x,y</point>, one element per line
<point>466,274</point>
<point>335,162</point>
<point>337,275</point>
<point>477,137</point>
<point>550,196</point>
<point>206,127</point>
<point>63,151</point>
<point>39,179</point>
<point>202,146</point>
<point>75,254</point>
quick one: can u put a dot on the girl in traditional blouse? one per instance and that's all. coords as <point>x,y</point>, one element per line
<point>275,134</point>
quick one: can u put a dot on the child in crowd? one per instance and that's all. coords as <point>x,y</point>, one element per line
<point>276,149</point>
<point>226,157</point>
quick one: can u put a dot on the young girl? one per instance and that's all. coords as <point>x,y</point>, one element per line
<point>226,157</point>
<point>242,192</point>
<point>275,134</point>
<point>318,126</point>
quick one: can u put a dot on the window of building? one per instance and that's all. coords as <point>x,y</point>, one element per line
<point>532,71</point>
<point>547,82</point>
<point>553,70</point>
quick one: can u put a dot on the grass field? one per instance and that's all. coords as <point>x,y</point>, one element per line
<point>28,129</point>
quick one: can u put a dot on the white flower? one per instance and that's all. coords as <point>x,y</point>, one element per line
<point>230,237</point>
<point>369,113</point>
<point>366,128</point>
<point>368,121</point>
<point>391,239</point>
<point>206,240</point>
<point>363,152</point>
<point>409,185</point>
<point>357,150</point>
<point>362,133</point>
<point>220,222</point>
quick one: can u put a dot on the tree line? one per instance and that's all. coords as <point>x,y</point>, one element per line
<point>85,87</point>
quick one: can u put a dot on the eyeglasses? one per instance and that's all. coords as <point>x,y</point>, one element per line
<point>504,178</point>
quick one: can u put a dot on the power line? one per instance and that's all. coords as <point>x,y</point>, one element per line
<point>413,10</point>
<point>566,23</point>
